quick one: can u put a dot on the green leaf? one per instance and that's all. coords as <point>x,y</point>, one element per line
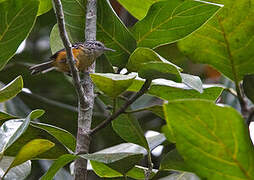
<point>138,9</point>
<point>63,136</point>
<point>103,65</point>
<point>112,84</point>
<point>225,42</point>
<point>103,170</point>
<point>45,6</point>
<point>17,20</point>
<point>29,151</point>
<point>128,128</point>
<point>126,164</point>
<point>121,162</point>
<point>173,161</point>
<point>116,159</point>
<point>11,130</point>
<point>193,82</point>
<point>12,89</point>
<point>74,15</point>
<point>112,32</point>
<point>156,109</point>
<point>181,176</point>
<point>143,55</point>
<point>121,158</point>
<point>155,141</point>
<point>151,65</point>
<point>155,70</point>
<point>5,116</point>
<point>19,172</point>
<point>172,20</point>
<point>37,133</point>
<point>248,86</point>
<point>138,172</point>
<point>168,132</point>
<point>58,164</point>
<point>36,114</point>
<point>55,40</point>
<point>212,139</point>
<point>106,158</point>
<point>169,90</point>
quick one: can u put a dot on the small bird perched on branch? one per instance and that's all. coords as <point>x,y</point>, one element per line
<point>84,56</point>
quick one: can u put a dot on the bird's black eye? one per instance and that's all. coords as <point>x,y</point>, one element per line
<point>99,45</point>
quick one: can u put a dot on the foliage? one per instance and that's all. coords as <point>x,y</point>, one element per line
<point>201,138</point>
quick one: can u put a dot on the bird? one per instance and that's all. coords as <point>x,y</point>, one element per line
<point>84,56</point>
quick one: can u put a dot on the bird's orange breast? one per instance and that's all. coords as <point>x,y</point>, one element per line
<point>60,61</point>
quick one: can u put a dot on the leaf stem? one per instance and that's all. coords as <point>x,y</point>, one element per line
<point>231,91</point>
<point>240,95</point>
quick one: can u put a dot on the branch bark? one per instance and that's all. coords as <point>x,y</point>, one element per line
<point>68,48</point>
<point>86,109</point>
<point>85,92</point>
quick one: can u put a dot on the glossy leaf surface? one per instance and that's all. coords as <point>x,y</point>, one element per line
<point>45,6</point>
<point>128,128</point>
<point>31,150</point>
<point>225,42</point>
<point>113,33</point>
<point>63,136</point>
<point>12,89</point>
<point>58,164</point>
<point>172,20</point>
<point>11,130</point>
<point>17,20</point>
<point>112,84</point>
<point>169,90</point>
<point>213,141</point>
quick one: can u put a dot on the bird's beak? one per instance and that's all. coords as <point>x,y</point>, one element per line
<point>108,49</point>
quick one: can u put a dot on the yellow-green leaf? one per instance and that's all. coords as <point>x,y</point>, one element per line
<point>31,150</point>
<point>212,139</point>
<point>11,90</point>
<point>112,84</point>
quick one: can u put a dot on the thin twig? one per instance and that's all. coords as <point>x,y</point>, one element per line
<point>123,97</point>
<point>150,166</point>
<point>51,102</point>
<point>68,48</point>
<point>121,110</point>
<point>231,91</point>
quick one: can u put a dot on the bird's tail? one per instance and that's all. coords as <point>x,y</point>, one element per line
<point>42,68</point>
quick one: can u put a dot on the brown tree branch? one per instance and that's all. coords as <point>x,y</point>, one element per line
<point>86,110</point>
<point>68,48</point>
<point>85,92</point>
<point>121,110</point>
